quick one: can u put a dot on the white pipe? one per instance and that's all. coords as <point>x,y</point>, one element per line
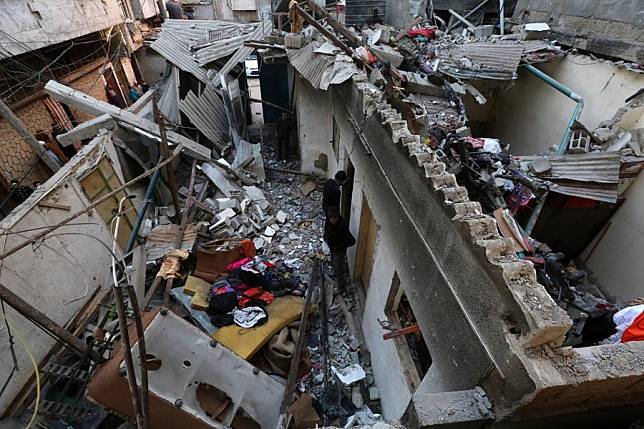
<point>501,17</point>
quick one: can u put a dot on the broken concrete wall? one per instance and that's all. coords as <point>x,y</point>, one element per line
<point>609,28</point>
<point>39,24</point>
<point>532,116</point>
<point>60,274</point>
<point>447,281</point>
<point>400,13</point>
<point>315,129</point>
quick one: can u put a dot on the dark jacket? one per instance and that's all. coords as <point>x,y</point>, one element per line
<point>330,194</point>
<point>337,236</point>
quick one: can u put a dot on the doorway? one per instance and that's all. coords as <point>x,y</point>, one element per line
<point>367,236</point>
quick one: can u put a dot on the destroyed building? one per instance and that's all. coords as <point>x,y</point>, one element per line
<point>175,272</point>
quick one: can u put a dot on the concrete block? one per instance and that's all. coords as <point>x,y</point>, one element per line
<point>467,208</point>
<point>294,41</point>
<point>434,169</point>
<point>456,194</point>
<point>226,214</point>
<point>388,54</point>
<point>483,31</point>
<point>483,228</point>
<point>443,181</point>
<point>448,409</point>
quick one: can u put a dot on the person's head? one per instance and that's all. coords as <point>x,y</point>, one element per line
<point>36,183</point>
<point>341,177</point>
<point>284,116</point>
<point>14,183</point>
<point>333,214</point>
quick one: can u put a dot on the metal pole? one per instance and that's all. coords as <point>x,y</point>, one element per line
<point>463,20</point>
<point>144,208</point>
<point>467,15</point>
<point>125,335</point>
<point>24,133</point>
<point>165,152</point>
<point>502,17</point>
<point>568,93</point>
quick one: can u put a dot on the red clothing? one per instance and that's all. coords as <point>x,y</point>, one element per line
<point>635,332</point>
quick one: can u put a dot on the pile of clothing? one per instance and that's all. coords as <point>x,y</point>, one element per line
<point>249,286</point>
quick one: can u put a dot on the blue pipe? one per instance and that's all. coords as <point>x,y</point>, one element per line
<point>568,93</point>
<point>144,208</point>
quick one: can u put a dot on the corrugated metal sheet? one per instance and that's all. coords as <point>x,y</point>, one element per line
<point>167,102</point>
<point>309,64</point>
<point>192,44</point>
<point>175,50</point>
<point>592,175</point>
<point>481,60</point>
<point>263,30</point>
<point>601,167</point>
<point>208,114</point>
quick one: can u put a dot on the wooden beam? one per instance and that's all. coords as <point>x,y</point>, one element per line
<point>326,33</point>
<point>353,40</point>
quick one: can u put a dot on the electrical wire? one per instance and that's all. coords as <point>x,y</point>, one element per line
<point>22,340</point>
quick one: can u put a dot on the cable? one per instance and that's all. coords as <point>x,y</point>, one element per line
<point>21,338</point>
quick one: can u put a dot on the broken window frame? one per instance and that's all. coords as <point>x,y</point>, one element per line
<point>407,364</point>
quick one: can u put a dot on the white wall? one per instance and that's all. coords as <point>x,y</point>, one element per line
<point>532,116</point>
<point>39,23</point>
<point>387,370</point>
<point>616,260</point>
<point>57,277</point>
<point>315,127</point>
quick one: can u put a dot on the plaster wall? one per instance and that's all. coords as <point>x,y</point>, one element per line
<point>39,23</point>
<point>417,241</point>
<point>532,116</point>
<point>58,276</point>
<point>617,259</point>
<point>387,371</point>
<point>315,129</point>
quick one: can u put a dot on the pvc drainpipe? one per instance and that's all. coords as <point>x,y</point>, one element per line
<point>146,203</point>
<point>568,93</point>
<point>501,17</point>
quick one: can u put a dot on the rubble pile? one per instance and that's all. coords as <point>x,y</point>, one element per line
<point>341,377</point>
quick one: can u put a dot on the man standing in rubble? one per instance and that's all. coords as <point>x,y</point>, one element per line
<point>331,190</point>
<point>338,237</point>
